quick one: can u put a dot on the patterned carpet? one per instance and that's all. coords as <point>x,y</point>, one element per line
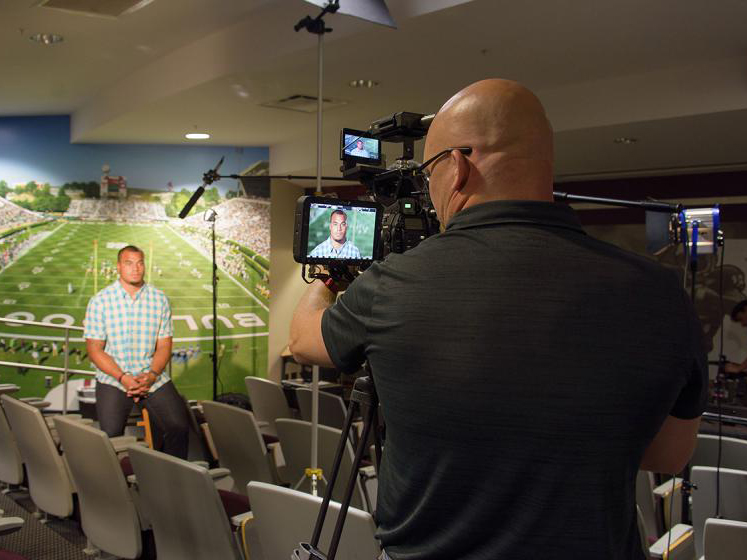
<point>56,540</point>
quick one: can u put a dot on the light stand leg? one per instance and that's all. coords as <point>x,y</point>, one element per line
<point>215,315</point>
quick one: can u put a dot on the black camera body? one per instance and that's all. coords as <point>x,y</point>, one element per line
<point>408,216</point>
<point>338,233</point>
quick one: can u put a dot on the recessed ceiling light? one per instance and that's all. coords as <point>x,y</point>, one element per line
<point>625,140</point>
<point>363,83</point>
<point>47,38</point>
<point>197,136</point>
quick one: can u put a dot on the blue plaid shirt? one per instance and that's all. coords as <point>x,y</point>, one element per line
<point>326,250</point>
<point>130,326</point>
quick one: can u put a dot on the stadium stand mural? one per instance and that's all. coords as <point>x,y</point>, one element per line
<point>64,216</point>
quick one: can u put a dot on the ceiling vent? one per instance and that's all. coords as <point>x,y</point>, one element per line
<point>97,8</point>
<point>303,103</point>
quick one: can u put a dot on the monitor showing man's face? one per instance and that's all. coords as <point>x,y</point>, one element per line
<point>338,227</point>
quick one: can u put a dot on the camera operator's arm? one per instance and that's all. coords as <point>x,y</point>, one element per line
<point>672,447</point>
<point>735,368</point>
<point>306,342</point>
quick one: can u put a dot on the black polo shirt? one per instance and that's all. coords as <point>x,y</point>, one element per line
<point>523,368</point>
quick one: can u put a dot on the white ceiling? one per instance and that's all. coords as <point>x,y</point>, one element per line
<point>672,73</point>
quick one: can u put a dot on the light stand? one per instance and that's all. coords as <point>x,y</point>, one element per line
<point>211,216</point>
<point>318,27</point>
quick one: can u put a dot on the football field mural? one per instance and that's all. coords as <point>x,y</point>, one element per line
<point>69,261</point>
<point>65,214</point>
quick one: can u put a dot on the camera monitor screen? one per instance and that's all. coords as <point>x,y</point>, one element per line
<point>359,147</point>
<point>330,230</point>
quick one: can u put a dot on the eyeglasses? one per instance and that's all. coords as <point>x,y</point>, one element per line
<point>422,170</point>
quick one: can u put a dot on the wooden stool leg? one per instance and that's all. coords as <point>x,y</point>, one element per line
<point>145,424</point>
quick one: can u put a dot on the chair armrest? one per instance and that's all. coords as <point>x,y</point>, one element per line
<point>219,472</point>
<point>262,423</point>
<point>121,443</point>
<point>664,489</point>
<point>132,480</point>
<point>10,524</point>
<point>682,538</point>
<point>237,520</point>
<point>368,471</point>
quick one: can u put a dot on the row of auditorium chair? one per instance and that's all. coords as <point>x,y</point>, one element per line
<point>214,519</point>
<point>193,511</point>
<point>708,537</point>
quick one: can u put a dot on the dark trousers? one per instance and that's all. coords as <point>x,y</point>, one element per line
<point>166,409</point>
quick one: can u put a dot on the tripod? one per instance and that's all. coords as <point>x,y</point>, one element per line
<point>364,394</point>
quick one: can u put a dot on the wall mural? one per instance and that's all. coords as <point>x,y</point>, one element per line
<point>65,211</point>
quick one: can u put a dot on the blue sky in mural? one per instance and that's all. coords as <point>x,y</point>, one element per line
<point>39,149</point>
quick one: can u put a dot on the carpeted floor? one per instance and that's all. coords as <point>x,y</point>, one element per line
<point>58,539</point>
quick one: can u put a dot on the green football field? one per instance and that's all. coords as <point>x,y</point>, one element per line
<point>54,280</point>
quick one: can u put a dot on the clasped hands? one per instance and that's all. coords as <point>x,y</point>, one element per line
<point>137,386</point>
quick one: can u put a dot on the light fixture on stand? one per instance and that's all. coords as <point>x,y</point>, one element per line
<point>374,11</point>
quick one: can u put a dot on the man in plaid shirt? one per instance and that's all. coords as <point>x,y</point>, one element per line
<point>128,332</point>
<point>336,245</point>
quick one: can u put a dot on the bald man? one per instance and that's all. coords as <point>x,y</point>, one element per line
<point>526,371</point>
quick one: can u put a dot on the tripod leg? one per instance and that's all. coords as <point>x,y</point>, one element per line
<point>333,476</point>
<point>351,482</point>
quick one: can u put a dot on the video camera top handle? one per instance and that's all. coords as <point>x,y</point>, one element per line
<point>402,127</point>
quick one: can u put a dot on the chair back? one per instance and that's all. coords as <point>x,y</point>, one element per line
<point>647,511</point>
<point>733,498</point>
<point>332,409</point>
<point>725,539</point>
<point>268,401</point>
<point>733,452</point>
<point>49,483</point>
<point>295,441</point>
<point>239,444</point>
<point>11,465</point>
<point>283,518</point>
<point>108,515</point>
<point>184,508</point>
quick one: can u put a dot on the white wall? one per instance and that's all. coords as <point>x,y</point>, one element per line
<point>286,285</point>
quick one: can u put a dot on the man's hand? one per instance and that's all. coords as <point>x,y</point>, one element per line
<point>144,382</point>
<point>131,385</point>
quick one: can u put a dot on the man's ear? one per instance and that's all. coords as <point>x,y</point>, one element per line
<point>461,169</point>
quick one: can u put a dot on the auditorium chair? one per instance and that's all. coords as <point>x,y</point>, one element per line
<point>725,539</point>
<point>10,525</point>
<point>654,502</point>
<point>681,543</point>
<point>109,515</point>
<point>239,443</point>
<point>733,452</point>
<point>268,401</point>
<point>184,507</point>
<point>49,483</point>
<point>733,499</point>
<point>295,441</point>
<point>283,518</point>
<point>332,408</point>
<point>11,466</point>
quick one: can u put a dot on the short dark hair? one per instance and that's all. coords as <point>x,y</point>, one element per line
<point>338,211</point>
<point>129,248</point>
<point>738,308</point>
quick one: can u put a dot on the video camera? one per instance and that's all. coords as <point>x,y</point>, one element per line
<point>403,212</point>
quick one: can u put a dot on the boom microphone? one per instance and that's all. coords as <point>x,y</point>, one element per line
<point>191,202</point>
<point>207,179</point>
